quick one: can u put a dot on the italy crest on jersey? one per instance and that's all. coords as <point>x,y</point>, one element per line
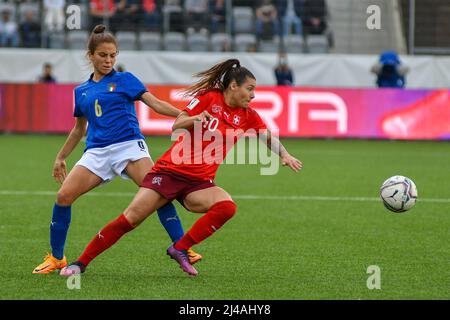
<point>111,87</point>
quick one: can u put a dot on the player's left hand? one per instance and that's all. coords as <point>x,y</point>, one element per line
<point>293,163</point>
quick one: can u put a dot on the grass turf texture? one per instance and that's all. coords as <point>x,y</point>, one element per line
<point>274,248</point>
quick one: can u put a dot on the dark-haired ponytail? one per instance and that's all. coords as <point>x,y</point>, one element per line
<point>100,28</point>
<point>219,77</point>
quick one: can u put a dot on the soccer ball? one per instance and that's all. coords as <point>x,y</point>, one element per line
<point>398,193</point>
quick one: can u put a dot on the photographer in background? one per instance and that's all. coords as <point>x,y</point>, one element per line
<point>390,71</point>
<point>283,72</point>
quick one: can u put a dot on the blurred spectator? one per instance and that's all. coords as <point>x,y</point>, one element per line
<point>267,24</point>
<point>218,15</point>
<point>290,12</point>
<point>126,16</point>
<point>283,72</point>
<point>9,37</point>
<point>151,15</point>
<point>390,71</point>
<point>30,31</point>
<point>314,16</point>
<point>252,48</point>
<point>196,15</point>
<point>226,46</point>
<point>120,68</point>
<point>54,14</point>
<point>173,16</point>
<point>47,76</point>
<point>100,10</point>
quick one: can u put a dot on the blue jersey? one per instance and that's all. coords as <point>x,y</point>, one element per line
<point>108,105</point>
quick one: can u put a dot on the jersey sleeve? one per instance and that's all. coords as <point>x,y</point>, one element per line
<point>77,110</point>
<point>255,121</point>
<point>133,86</point>
<point>198,105</point>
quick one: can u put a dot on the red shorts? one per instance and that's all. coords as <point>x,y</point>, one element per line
<point>173,186</point>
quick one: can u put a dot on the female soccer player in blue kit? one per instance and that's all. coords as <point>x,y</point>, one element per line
<point>115,145</point>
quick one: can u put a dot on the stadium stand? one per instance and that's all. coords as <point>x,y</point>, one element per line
<point>127,40</point>
<point>174,41</point>
<point>77,39</point>
<point>150,41</point>
<point>198,42</point>
<point>350,31</point>
<point>344,30</point>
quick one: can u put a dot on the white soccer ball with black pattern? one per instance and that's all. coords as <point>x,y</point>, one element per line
<point>399,193</point>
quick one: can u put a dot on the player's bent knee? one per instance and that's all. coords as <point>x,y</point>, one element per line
<point>134,216</point>
<point>227,209</point>
<point>64,198</point>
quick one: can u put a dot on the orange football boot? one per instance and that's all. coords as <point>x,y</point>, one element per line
<point>50,264</point>
<point>193,256</point>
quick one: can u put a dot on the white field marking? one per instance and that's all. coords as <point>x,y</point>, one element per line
<point>241,197</point>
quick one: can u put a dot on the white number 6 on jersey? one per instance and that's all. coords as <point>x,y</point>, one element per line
<point>98,109</point>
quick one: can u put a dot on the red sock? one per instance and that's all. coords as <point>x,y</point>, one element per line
<point>204,227</point>
<point>105,238</point>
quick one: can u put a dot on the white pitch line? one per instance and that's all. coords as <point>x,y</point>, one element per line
<point>241,197</point>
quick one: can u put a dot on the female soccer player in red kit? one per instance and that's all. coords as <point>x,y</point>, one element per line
<point>220,108</point>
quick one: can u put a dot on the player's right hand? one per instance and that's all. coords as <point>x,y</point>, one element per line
<point>59,170</point>
<point>204,117</point>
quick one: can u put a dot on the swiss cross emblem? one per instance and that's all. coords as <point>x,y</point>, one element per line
<point>236,120</point>
<point>216,108</point>
<point>157,180</point>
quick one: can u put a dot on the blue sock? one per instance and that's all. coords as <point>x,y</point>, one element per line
<point>171,222</point>
<point>58,229</point>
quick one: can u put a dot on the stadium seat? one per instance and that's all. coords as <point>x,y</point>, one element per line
<point>127,40</point>
<point>25,7</point>
<point>243,41</point>
<point>294,44</point>
<point>198,42</point>
<point>317,44</point>
<point>269,45</point>
<point>174,41</point>
<point>243,20</point>
<point>149,41</point>
<point>77,39</point>
<point>57,40</point>
<point>85,16</point>
<point>220,41</point>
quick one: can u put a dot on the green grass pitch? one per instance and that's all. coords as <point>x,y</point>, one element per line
<point>310,235</point>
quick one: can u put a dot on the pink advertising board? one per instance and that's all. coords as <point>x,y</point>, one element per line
<point>295,112</point>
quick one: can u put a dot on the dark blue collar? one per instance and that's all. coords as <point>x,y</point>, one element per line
<point>113,72</point>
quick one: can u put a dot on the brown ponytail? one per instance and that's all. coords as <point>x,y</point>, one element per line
<point>219,77</point>
<point>98,36</point>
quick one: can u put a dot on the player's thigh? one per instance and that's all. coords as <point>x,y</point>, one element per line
<point>201,201</point>
<point>143,205</point>
<point>79,181</point>
<point>137,170</point>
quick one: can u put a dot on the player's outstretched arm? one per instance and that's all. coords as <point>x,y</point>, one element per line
<point>275,145</point>
<point>75,135</point>
<point>160,106</point>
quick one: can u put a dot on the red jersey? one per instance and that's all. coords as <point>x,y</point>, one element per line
<point>199,152</point>
<point>100,5</point>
